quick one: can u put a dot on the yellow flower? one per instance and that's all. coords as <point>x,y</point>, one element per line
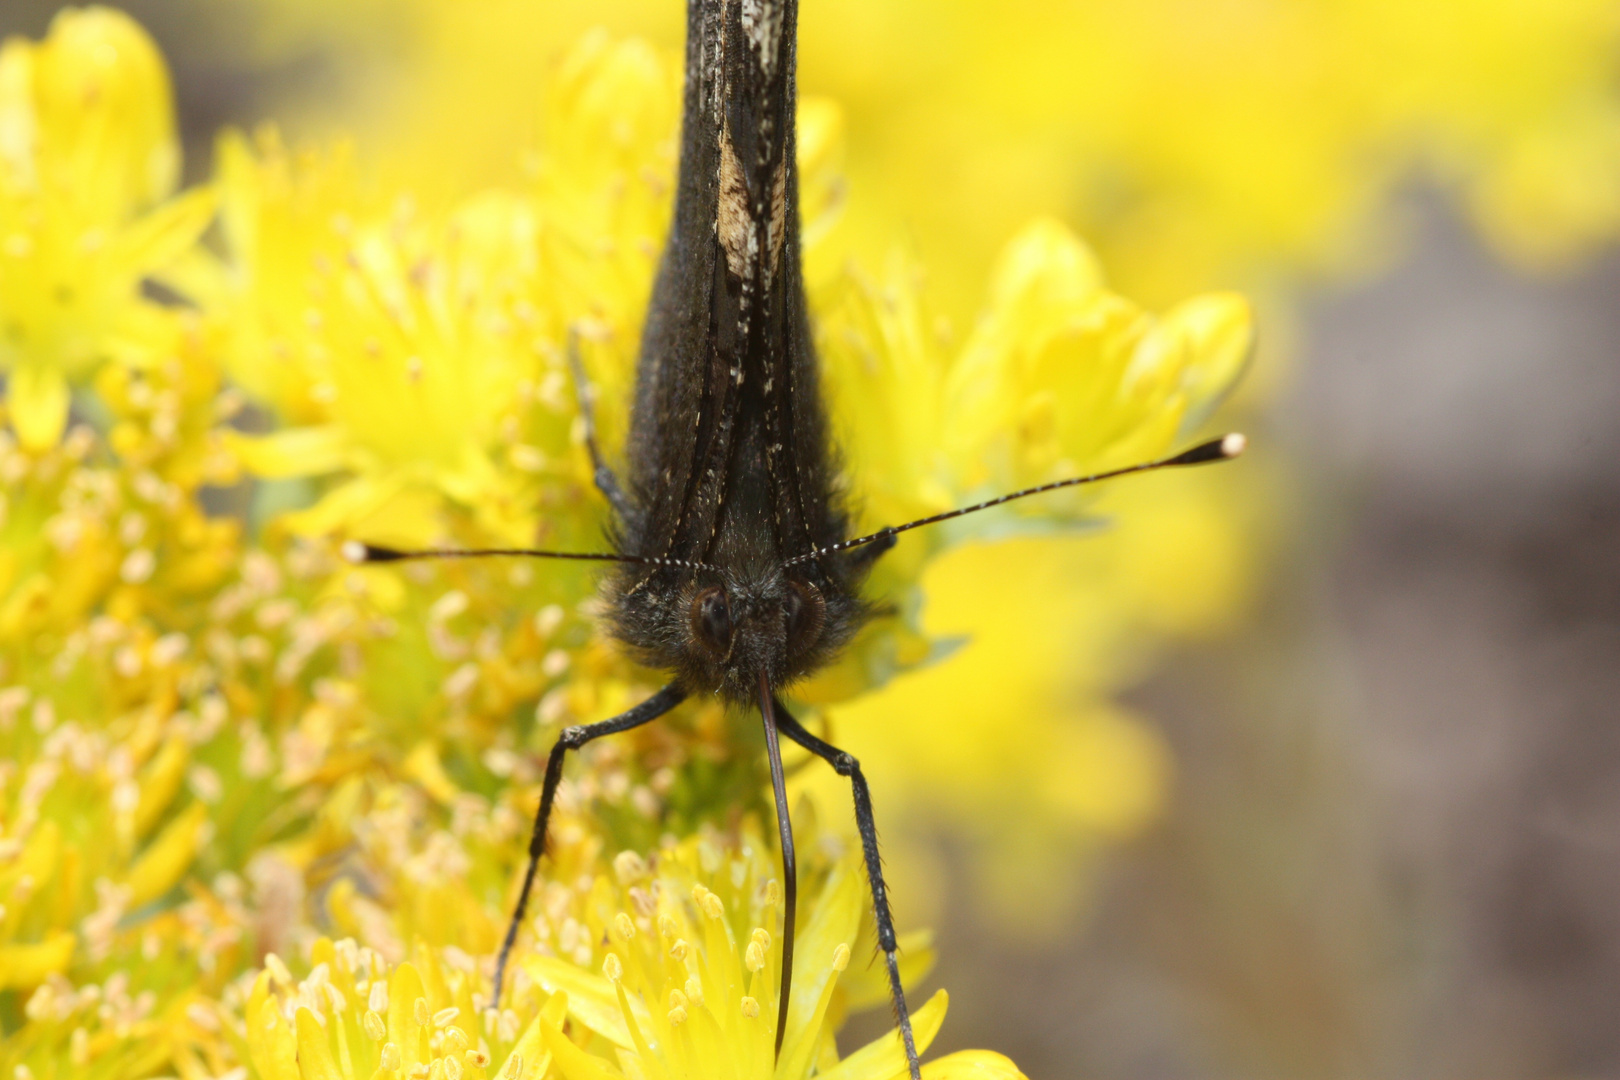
<point>687,950</point>
<point>98,829</point>
<point>88,156</point>
<point>80,536</point>
<point>402,349</point>
<point>1060,377</point>
<point>355,1015</point>
<point>689,977</point>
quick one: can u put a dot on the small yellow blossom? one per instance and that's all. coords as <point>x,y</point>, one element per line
<point>1060,377</point>
<point>402,350</point>
<point>660,967</point>
<point>105,932</point>
<point>88,162</point>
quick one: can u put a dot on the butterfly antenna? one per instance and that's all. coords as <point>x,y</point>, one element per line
<point>361,553</point>
<point>1222,449</point>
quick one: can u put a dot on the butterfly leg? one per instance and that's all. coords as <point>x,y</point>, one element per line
<point>572,739</point>
<point>846,765</point>
<point>606,481</point>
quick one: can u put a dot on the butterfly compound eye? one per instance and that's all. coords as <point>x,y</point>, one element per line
<point>711,620</point>
<point>806,613</point>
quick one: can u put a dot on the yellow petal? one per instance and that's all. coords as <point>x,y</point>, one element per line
<point>1219,331</point>
<point>272,1046</point>
<point>28,965</point>
<point>160,782</point>
<point>834,922</point>
<point>106,109</point>
<point>572,1062</point>
<point>404,988</point>
<point>315,1059</point>
<point>162,236</point>
<point>821,187</point>
<point>384,508</point>
<point>240,183</point>
<point>200,275</point>
<point>423,765</point>
<point>39,858</point>
<point>530,1048</point>
<point>867,985</point>
<point>18,124</point>
<point>168,857</point>
<point>591,998</point>
<point>972,1065</point>
<point>308,451</point>
<point>885,1056</point>
<point>1045,264</point>
<point>37,398</point>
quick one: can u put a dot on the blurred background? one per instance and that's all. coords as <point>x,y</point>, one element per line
<point>1378,830</point>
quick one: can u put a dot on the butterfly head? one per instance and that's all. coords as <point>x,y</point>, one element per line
<point>717,632</point>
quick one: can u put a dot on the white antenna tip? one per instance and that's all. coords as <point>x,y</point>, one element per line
<point>355,552</point>
<point>1234,444</point>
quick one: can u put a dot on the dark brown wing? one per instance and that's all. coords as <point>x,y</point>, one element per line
<point>728,454</point>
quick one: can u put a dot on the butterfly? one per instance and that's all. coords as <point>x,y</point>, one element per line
<point>734,569</point>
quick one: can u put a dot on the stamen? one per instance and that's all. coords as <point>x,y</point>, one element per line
<point>629,866</point>
<point>277,969</point>
<point>708,902</point>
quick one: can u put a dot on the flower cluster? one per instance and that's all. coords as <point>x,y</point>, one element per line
<point>226,755</point>
<point>686,986</point>
<point>88,168</point>
<point>1195,145</point>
